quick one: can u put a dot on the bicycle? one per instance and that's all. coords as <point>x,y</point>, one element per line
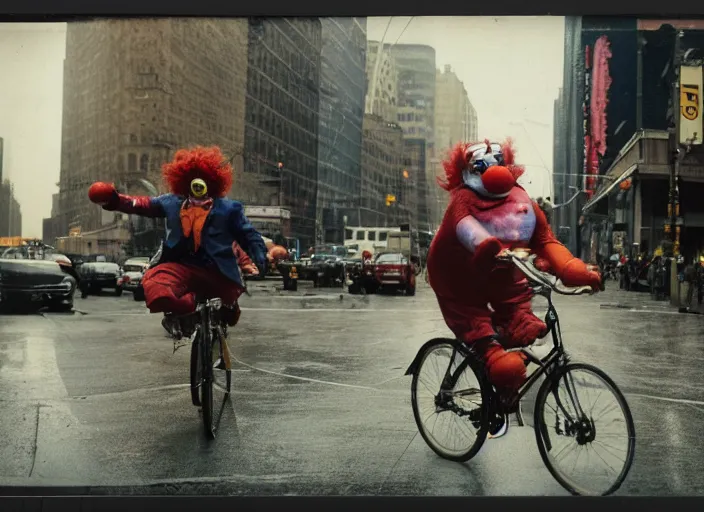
<point>209,355</point>
<point>477,405</point>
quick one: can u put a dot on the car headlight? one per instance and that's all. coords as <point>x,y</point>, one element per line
<point>68,282</point>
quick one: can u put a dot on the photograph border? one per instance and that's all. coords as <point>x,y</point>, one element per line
<point>36,498</point>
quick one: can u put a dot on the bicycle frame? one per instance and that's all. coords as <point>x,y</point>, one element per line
<point>541,286</point>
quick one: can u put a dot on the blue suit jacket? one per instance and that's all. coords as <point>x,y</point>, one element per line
<point>226,223</point>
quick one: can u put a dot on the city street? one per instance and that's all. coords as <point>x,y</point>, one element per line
<point>96,400</point>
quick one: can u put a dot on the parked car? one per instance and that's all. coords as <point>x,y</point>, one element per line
<point>325,265</point>
<point>29,280</point>
<point>138,292</point>
<point>98,275</point>
<point>132,272</point>
<point>388,272</point>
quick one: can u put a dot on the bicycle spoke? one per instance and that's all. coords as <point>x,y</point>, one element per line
<point>579,452</point>
<point>584,474</point>
<point>442,431</point>
<point>568,444</point>
<point>602,459</point>
<point>609,408</point>
<point>607,447</point>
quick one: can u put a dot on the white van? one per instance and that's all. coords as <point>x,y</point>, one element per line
<point>372,239</point>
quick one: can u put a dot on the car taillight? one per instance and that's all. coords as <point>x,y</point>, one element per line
<point>125,279</point>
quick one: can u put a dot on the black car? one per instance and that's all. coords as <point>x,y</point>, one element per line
<point>27,283</point>
<point>96,275</point>
<point>325,265</point>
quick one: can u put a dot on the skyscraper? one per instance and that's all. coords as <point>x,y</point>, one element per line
<point>282,119</point>
<point>10,211</point>
<point>382,83</point>
<point>415,65</point>
<point>136,90</point>
<point>455,121</point>
<point>342,95</point>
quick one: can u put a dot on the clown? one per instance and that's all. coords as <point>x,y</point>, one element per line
<point>203,231</point>
<point>485,302</point>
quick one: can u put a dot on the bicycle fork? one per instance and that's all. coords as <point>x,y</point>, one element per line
<point>572,426</point>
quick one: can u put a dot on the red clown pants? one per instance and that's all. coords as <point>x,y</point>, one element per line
<point>512,318</point>
<point>172,287</point>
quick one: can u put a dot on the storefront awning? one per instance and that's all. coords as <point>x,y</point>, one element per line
<point>606,191</point>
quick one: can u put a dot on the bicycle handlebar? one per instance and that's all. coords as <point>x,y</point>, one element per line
<point>524,261</point>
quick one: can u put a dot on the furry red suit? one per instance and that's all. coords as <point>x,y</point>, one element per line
<point>485,302</point>
<point>206,233</point>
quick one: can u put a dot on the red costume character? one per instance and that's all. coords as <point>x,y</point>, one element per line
<point>204,230</point>
<point>485,302</point>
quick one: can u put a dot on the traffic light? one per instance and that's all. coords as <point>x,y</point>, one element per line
<point>405,174</point>
<point>390,199</point>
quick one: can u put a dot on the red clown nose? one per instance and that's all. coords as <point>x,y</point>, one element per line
<point>498,180</point>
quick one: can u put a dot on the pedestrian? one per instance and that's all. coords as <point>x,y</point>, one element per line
<point>690,277</point>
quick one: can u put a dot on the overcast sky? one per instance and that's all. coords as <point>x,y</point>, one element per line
<point>511,68</point>
<point>31,67</point>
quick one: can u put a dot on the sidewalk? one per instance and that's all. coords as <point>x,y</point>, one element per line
<point>615,298</point>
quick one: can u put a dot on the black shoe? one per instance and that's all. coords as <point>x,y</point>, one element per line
<point>498,426</point>
<point>172,325</point>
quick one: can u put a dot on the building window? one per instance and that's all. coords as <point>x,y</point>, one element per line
<point>144,162</point>
<point>131,162</point>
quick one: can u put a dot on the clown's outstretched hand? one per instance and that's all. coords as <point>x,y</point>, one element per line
<point>107,196</point>
<point>570,270</point>
<point>104,194</point>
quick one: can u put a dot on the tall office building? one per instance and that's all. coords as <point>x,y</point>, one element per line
<point>10,211</point>
<point>455,121</point>
<point>135,91</point>
<point>282,119</point>
<point>415,65</point>
<point>342,95</point>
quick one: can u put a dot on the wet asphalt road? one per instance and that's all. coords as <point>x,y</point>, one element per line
<point>97,401</point>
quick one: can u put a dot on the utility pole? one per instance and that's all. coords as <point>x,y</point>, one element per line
<point>673,207</point>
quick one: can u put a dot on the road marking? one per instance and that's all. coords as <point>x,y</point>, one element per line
<point>665,399</point>
<point>297,310</point>
<point>345,309</point>
<point>306,379</point>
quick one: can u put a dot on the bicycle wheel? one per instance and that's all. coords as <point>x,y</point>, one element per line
<point>575,424</point>
<point>463,409</point>
<point>222,374</point>
<point>196,371</point>
<point>206,387</point>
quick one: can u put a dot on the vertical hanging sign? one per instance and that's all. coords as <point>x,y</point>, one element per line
<point>691,105</point>
<point>587,184</point>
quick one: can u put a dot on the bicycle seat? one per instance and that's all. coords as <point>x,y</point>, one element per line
<point>214,303</point>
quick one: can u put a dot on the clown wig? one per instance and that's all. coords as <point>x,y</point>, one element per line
<point>208,164</point>
<point>458,160</point>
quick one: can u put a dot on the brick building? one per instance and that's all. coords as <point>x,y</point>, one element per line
<point>134,91</point>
